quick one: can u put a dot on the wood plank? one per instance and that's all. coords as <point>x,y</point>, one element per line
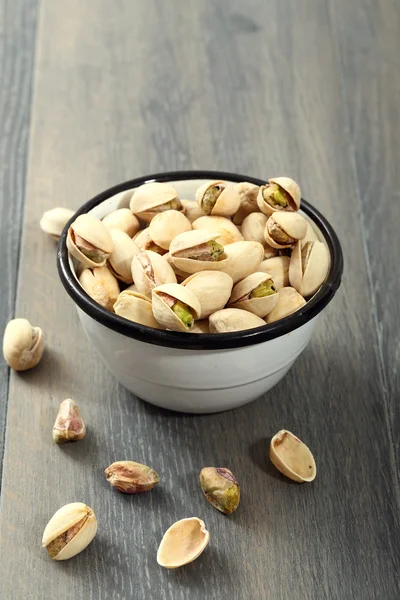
<point>138,87</point>
<point>17,42</point>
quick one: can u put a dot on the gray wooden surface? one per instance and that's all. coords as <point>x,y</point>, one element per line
<point>126,88</point>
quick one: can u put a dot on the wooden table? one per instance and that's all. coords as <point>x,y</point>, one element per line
<point>94,93</point>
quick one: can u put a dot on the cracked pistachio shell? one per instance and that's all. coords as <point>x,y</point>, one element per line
<point>164,314</point>
<point>120,259</point>
<point>289,186</point>
<point>193,239</point>
<point>101,285</point>
<point>94,237</point>
<point>150,198</point>
<point>289,300</point>
<point>290,225</point>
<point>242,290</point>
<point>309,267</point>
<point>311,235</point>
<point>149,270</point>
<point>53,221</point>
<point>248,201</point>
<point>221,488</point>
<point>122,219</point>
<point>67,519</point>
<point>292,457</point>
<point>192,210</point>
<point>278,268</point>
<point>144,241</point>
<point>131,477</point>
<point>23,345</point>
<point>69,425</point>
<point>233,319</point>
<point>182,543</point>
<point>135,307</point>
<point>211,288</point>
<point>201,326</point>
<point>253,227</point>
<point>227,231</point>
<point>227,202</point>
<point>165,226</point>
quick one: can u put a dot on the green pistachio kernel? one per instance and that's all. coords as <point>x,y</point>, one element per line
<point>183,313</point>
<point>216,250</point>
<point>276,196</point>
<point>266,288</point>
<point>210,197</point>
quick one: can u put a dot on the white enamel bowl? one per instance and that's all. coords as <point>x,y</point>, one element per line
<point>195,372</point>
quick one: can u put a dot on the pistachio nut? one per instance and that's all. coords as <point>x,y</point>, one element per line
<point>120,260</point>
<point>255,293</point>
<point>197,250</point>
<point>233,319</point>
<point>292,457</point>
<point>152,198</point>
<point>180,275</point>
<point>144,242</point>
<point>211,288</point>
<point>135,307</point>
<point>270,252</point>
<point>149,270</point>
<point>23,345</point>
<point>283,229</point>
<point>309,267</point>
<point>131,477</point>
<point>175,307</point>
<point>280,194</point>
<point>278,268</point>
<point>101,285</point>
<point>253,227</point>
<point>165,226</point>
<point>242,258</point>
<point>201,326</point>
<point>53,221</point>
<point>221,488</point>
<point>248,201</point>
<point>182,543</point>
<point>226,230</point>
<point>218,198</point>
<point>89,241</point>
<point>69,531</point>
<point>122,219</point>
<point>192,210</point>
<point>289,301</point>
<point>311,235</point>
<point>69,425</point>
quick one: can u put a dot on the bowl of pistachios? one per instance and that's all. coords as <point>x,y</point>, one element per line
<point>199,289</point>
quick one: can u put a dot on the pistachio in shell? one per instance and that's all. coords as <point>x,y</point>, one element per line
<point>101,285</point>
<point>149,270</point>
<point>54,220</point>
<point>221,488</point>
<point>255,293</point>
<point>311,235</point>
<point>69,531</point>
<point>248,201</point>
<point>120,260</point>
<point>227,232</point>
<point>23,345</point>
<point>175,307</point>
<point>152,198</point>
<point>279,194</point>
<point>242,258</point>
<point>218,198</point>
<point>283,229</point>
<point>89,241</point>
<point>292,457</point>
<point>211,288</point>
<point>144,241</point>
<point>233,319</point>
<point>278,268</point>
<point>197,250</point>
<point>69,425</point>
<point>309,267</point>
<point>289,301</point>
<point>165,226</point>
<point>135,307</point>
<point>253,227</point>
<point>182,543</point>
<point>192,210</point>
<point>122,219</point>
<point>131,477</point>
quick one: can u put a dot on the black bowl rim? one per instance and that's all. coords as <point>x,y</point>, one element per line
<point>192,341</point>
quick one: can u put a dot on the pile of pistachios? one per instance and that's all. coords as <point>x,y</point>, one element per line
<point>237,257</point>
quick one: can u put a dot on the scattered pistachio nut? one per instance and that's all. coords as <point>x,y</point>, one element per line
<point>292,457</point>
<point>69,531</point>
<point>131,477</point>
<point>69,425</point>
<point>54,220</point>
<point>89,241</point>
<point>23,345</point>
<point>221,488</point>
<point>182,543</point>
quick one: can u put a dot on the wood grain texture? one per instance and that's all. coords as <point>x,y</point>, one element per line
<point>136,87</point>
<point>17,41</point>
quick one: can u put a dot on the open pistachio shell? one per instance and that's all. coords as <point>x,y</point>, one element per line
<point>289,300</point>
<point>197,250</point>
<point>211,288</point>
<point>292,457</point>
<point>280,194</point>
<point>278,268</point>
<point>144,241</point>
<point>175,307</point>
<point>151,198</point>
<point>135,307</point>
<point>101,285</point>
<point>120,259</point>
<point>283,229</point>
<point>233,319</point>
<point>23,345</point>
<point>122,219</point>
<point>69,531</point>
<point>182,543</point>
<point>192,210</point>
<point>253,227</point>
<point>218,198</point>
<point>311,235</point>
<point>149,270</point>
<point>89,241</point>
<point>255,293</point>
<point>201,326</point>
<point>309,267</point>
<point>165,226</point>
<point>248,201</point>
<point>227,231</point>
<point>53,221</point>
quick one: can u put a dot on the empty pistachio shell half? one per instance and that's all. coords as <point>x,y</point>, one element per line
<point>122,219</point>
<point>69,425</point>
<point>289,300</point>
<point>233,319</point>
<point>226,230</point>
<point>149,270</point>
<point>221,488</point>
<point>255,293</point>
<point>120,259</point>
<point>280,194</point>
<point>253,227</point>
<point>182,543</point>
<point>248,201</point>
<point>89,241</point>
<point>278,268</point>
<point>135,307</point>
<point>175,307</point>
<point>165,226</point>
<point>283,229</point>
<point>218,198</point>
<point>192,210</point>
<point>101,285</point>
<point>152,198</point>
<point>144,241</point>
<point>53,221</point>
<point>292,457</point>
<point>69,531</point>
<point>211,288</point>
<point>131,477</point>
<point>23,345</point>
<point>309,267</point>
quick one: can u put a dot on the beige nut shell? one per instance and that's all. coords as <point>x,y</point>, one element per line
<point>227,202</point>
<point>242,258</point>
<point>120,259</point>
<point>278,268</point>
<point>228,232</point>
<point>233,319</point>
<point>19,349</point>
<point>201,326</point>
<point>164,314</point>
<point>122,219</point>
<point>292,457</point>
<point>248,201</point>
<point>293,224</point>
<point>259,306</point>
<point>163,272</point>
<point>182,543</point>
<point>307,282</point>
<point>290,186</point>
<point>54,220</point>
<point>211,288</point>
<point>190,239</point>
<point>101,285</point>
<point>65,518</point>
<point>253,227</point>
<point>289,301</point>
<point>165,226</point>
<point>135,307</point>
<point>94,232</point>
<point>311,235</point>
<point>192,210</point>
<point>149,196</point>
